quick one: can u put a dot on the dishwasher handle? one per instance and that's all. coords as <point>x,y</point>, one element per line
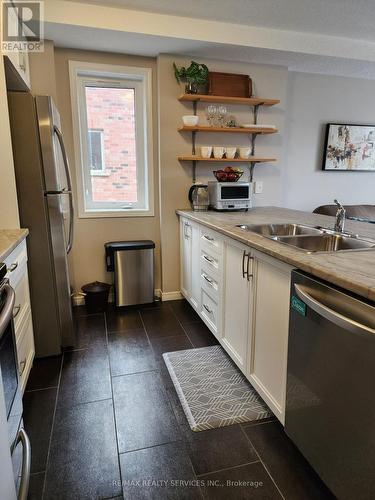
<point>332,315</point>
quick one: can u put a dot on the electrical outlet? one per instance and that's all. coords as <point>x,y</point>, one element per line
<point>258,188</point>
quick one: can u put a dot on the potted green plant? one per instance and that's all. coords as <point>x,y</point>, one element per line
<point>195,76</point>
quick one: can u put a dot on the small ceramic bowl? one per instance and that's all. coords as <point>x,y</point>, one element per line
<point>190,120</point>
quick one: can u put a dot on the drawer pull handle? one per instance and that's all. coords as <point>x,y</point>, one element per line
<point>22,367</point>
<point>16,310</point>
<point>207,309</point>
<point>209,238</point>
<point>208,259</point>
<point>208,279</point>
<point>13,267</point>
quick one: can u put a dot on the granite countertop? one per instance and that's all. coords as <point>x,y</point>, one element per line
<point>9,239</point>
<point>353,270</point>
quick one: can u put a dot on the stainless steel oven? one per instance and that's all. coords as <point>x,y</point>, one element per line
<point>18,441</point>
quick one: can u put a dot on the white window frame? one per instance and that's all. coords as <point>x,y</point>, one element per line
<point>84,74</point>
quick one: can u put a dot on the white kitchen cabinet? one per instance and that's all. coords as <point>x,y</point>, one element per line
<point>190,262</point>
<point>210,312</point>
<point>185,257</point>
<point>17,274</point>
<point>244,301</point>
<point>267,366</point>
<point>211,268</point>
<point>237,300</point>
<point>195,260</point>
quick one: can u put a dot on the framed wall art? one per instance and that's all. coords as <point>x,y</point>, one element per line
<point>349,147</point>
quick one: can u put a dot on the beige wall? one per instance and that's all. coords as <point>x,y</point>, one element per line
<point>285,182</point>
<point>8,193</point>
<point>175,180</point>
<point>90,234</point>
<point>295,180</point>
<point>87,258</point>
<point>314,101</point>
<point>42,71</point>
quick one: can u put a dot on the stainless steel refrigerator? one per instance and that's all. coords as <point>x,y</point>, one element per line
<point>46,209</point>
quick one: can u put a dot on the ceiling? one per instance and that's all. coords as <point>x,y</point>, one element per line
<point>151,46</point>
<point>345,18</point>
<point>334,37</point>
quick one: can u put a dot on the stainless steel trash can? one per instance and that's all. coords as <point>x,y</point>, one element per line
<point>133,265</point>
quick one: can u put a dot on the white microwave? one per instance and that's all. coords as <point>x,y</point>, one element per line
<point>230,195</point>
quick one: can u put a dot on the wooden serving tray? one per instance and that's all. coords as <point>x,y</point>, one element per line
<point>229,84</point>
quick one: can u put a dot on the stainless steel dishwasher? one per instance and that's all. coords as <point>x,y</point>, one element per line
<point>330,404</point>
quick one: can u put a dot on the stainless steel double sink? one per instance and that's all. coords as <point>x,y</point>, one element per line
<point>310,239</point>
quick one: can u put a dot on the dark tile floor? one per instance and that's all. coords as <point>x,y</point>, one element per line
<point>105,422</point>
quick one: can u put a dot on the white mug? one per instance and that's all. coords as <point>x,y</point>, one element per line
<point>219,152</point>
<point>245,152</point>
<point>230,152</point>
<point>206,151</point>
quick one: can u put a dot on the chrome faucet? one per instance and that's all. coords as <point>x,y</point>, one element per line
<point>340,217</point>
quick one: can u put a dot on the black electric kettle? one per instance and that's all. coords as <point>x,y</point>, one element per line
<point>198,197</point>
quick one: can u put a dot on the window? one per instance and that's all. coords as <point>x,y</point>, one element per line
<point>96,151</point>
<point>111,108</point>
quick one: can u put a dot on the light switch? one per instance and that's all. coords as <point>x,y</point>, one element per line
<point>258,188</point>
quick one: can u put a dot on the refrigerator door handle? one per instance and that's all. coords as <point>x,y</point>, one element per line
<point>64,155</point>
<point>69,186</point>
<point>71,223</point>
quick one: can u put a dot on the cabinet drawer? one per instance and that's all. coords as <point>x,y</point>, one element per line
<point>25,350</point>
<point>22,301</point>
<point>211,241</point>
<point>210,312</point>
<point>210,260</point>
<point>15,263</point>
<point>210,283</point>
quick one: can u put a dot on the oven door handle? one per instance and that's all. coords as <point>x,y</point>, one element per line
<point>23,438</point>
<point>7,311</point>
<point>331,315</point>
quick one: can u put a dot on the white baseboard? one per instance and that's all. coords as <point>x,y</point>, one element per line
<point>171,296</point>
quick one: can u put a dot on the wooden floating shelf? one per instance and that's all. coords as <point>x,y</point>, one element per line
<point>251,159</point>
<point>251,101</point>
<point>238,130</point>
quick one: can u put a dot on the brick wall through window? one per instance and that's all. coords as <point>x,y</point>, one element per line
<point>112,111</point>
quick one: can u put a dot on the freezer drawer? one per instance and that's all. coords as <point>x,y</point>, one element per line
<point>330,404</point>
